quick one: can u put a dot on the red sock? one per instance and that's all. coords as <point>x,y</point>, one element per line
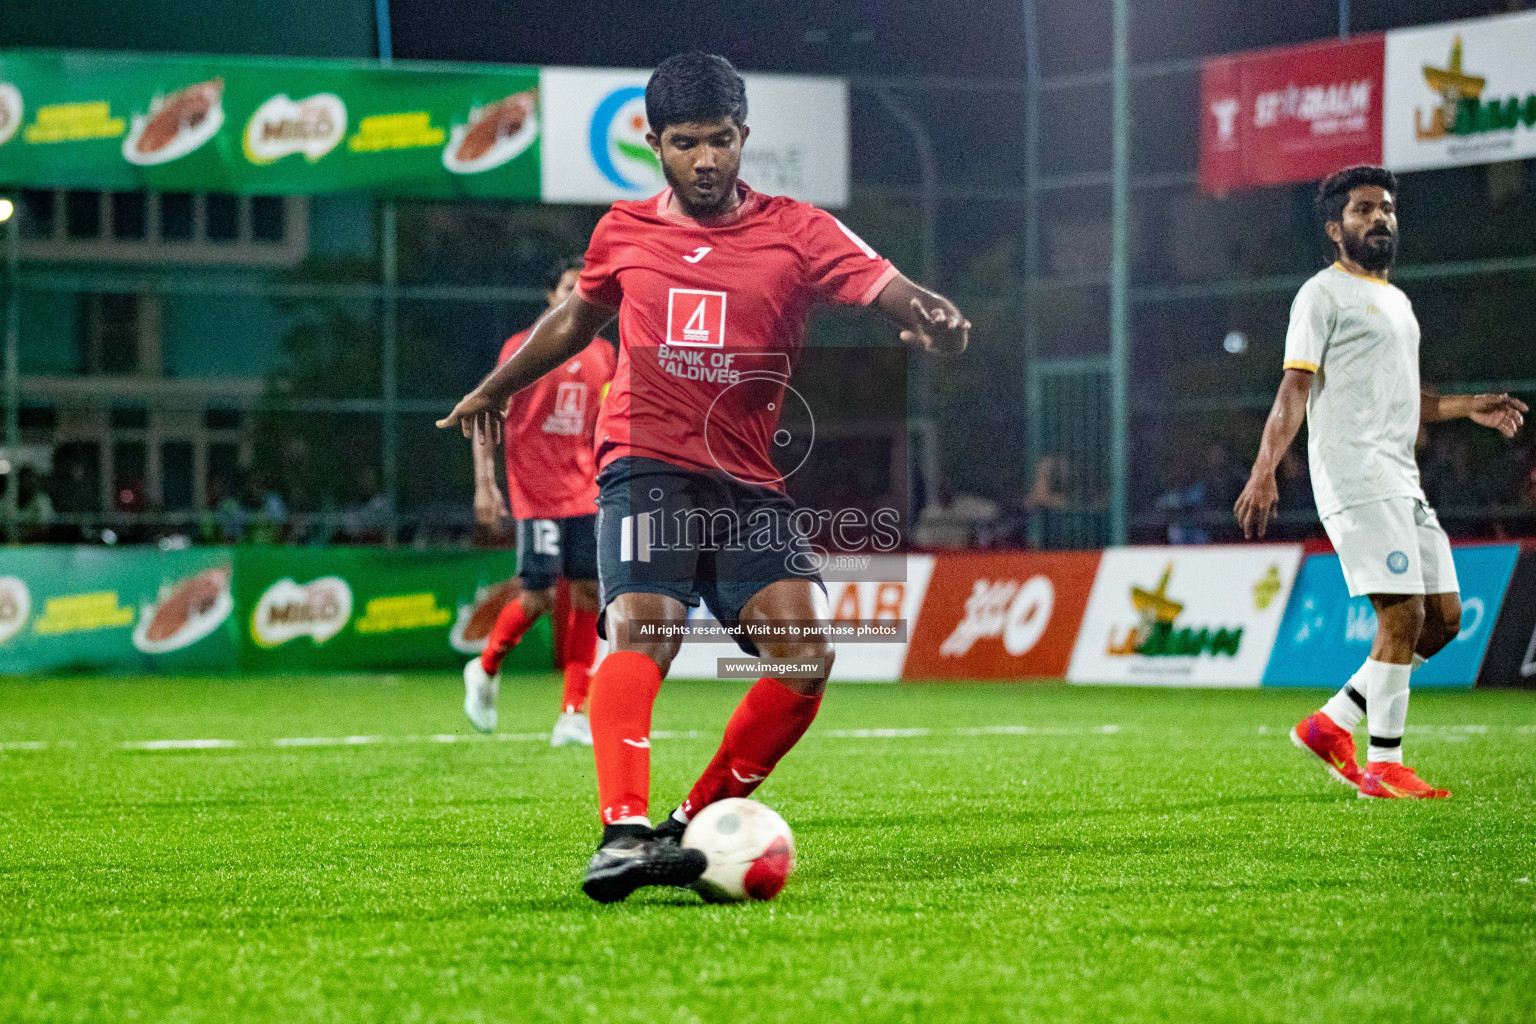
<point>580,649</point>
<point>769,721</point>
<point>624,688</point>
<point>510,626</point>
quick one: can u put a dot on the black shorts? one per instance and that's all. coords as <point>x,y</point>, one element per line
<point>692,535</point>
<point>547,548</point>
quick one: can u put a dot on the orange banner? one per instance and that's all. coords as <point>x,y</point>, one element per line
<point>1001,616</point>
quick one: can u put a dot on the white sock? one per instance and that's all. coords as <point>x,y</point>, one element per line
<point>1347,707</point>
<point>1386,698</point>
<point>679,816</point>
<point>634,819</point>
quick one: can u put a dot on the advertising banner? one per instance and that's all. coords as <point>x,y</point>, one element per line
<point>1184,616</point>
<point>127,610</point>
<point>227,124</point>
<point>893,593</point>
<point>1511,657</point>
<point>297,127</point>
<point>1327,634</point>
<point>361,608</point>
<point>1270,117</point>
<point>1463,92</point>
<point>1001,616</point>
<point>269,609</point>
<point>595,149</point>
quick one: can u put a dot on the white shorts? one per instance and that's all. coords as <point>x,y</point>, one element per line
<point>1395,546</point>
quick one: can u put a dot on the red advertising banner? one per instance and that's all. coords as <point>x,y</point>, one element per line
<point>1000,616</point>
<point>1271,117</point>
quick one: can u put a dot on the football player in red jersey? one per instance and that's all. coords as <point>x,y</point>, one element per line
<point>712,283</point>
<point>550,481</point>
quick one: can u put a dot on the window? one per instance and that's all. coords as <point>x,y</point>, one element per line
<point>223,218</point>
<point>37,208</point>
<point>130,470</point>
<point>77,477</point>
<point>129,418</point>
<point>177,216</point>
<point>221,419</point>
<point>37,417</point>
<point>110,326</point>
<point>130,216</point>
<point>176,490</point>
<point>170,227</point>
<point>223,472</point>
<point>82,214</point>
<point>267,218</point>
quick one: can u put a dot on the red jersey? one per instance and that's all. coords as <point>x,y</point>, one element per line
<point>550,468</point>
<point>712,318</point>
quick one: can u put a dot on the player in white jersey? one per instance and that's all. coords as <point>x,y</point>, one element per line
<point>1352,362</point>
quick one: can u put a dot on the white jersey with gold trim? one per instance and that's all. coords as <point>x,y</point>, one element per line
<point>1360,339</point>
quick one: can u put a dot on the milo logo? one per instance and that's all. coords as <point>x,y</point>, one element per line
<point>15,606</point>
<point>289,610</point>
<point>283,127</point>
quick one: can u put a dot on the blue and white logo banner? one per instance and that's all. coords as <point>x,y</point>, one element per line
<point>595,149</point>
<point>1326,635</point>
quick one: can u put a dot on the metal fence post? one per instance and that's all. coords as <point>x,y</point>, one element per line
<point>928,176</point>
<point>389,357</point>
<point>12,369</point>
<point>1034,392</point>
<point>1119,278</point>
<point>389,354</point>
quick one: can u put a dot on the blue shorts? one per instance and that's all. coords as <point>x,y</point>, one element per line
<point>693,535</point>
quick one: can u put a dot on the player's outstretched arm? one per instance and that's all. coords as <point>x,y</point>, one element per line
<point>926,318</point>
<point>563,332</point>
<point>1503,413</point>
<point>490,506</point>
<point>1256,505</point>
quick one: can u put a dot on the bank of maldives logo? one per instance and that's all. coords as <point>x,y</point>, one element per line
<point>695,317</point>
<point>617,141</point>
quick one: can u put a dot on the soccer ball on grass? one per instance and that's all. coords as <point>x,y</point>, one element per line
<point>750,849</point>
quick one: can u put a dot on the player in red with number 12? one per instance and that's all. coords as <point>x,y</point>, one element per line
<point>550,481</point>
<point>712,283</point>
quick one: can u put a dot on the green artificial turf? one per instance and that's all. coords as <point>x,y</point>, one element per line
<point>1119,855</point>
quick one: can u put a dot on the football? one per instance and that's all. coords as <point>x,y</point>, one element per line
<point>750,849</point>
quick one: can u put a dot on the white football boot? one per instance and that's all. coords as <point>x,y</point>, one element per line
<point>571,727</point>
<point>480,690</point>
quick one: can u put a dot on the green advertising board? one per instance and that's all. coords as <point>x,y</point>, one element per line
<point>254,608</point>
<point>351,608</point>
<point>124,610</point>
<point>225,124</point>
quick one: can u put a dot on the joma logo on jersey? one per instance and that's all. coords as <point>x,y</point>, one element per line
<point>570,410</point>
<point>695,318</point>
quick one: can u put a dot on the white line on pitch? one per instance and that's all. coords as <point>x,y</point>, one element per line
<point>181,744</point>
<point>873,734</point>
<point>537,737</point>
<point>1450,732</point>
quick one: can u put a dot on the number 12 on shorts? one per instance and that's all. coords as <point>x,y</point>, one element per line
<point>546,537</point>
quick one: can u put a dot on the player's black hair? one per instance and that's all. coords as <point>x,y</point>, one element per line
<point>694,86</point>
<point>559,267</point>
<point>1333,193</point>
